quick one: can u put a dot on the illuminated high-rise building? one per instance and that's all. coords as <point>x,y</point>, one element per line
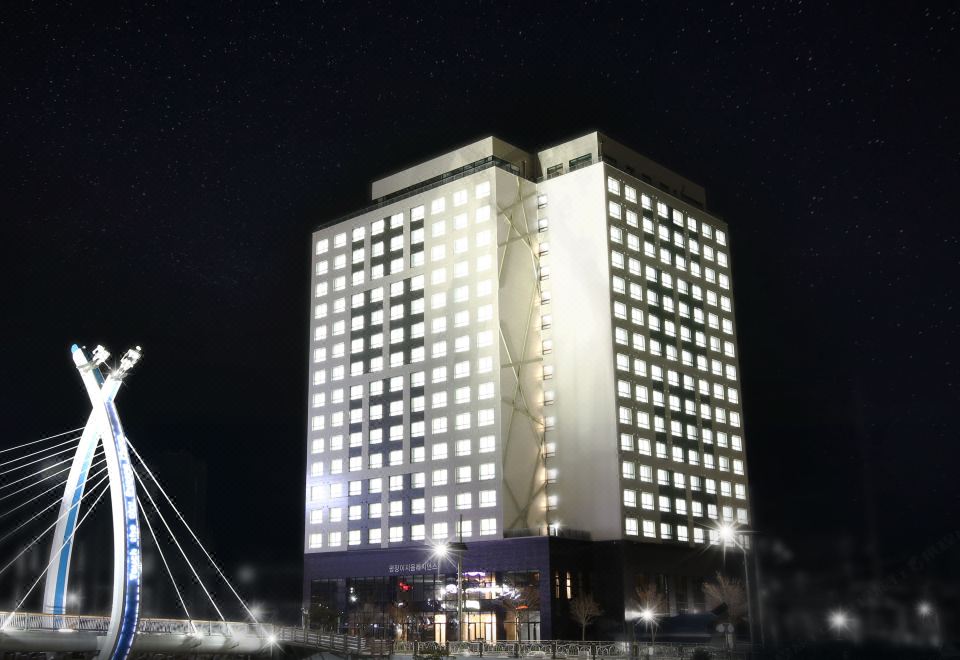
<point>536,355</point>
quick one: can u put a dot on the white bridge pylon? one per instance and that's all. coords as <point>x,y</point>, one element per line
<point>103,427</point>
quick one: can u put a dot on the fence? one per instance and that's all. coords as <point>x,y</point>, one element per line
<point>563,649</point>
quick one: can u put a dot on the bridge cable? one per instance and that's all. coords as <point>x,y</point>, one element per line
<point>185,524</point>
<point>41,511</point>
<point>35,461</point>
<point>163,558</point>
<point>57,555</point>
<point>180,547</point>
<point>38,481</point>
<point>44,532</point>
<point>51,437</point>
<point>58,484</point>
<point>74,439</point>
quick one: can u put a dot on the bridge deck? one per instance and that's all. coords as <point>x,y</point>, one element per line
<point>34,632</point>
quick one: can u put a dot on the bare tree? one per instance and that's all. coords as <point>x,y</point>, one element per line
<point>519,603</point>
<point>584,610</point>
<point>649,598</point>
<point>729,592</point>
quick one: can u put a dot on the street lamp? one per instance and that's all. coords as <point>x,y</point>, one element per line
<point>455,549</point>
<point>728,536</point>
<point>649,617</point>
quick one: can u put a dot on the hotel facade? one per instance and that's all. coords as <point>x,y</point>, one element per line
<point>535,355</point>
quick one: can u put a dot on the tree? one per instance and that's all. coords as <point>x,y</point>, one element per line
<point>729,593</point>
<point>519,602</point>
<point>584,610</point>
<point>649,598</point>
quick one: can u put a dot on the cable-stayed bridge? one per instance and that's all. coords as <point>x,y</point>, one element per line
<point>54,484</point>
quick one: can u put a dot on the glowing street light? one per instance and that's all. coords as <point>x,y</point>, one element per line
<point>649,617</point>
<point>456,549</point>
<point>924,609</point>
<point>839,621</point>
<point>729,536</point>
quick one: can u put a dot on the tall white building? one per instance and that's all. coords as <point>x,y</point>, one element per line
<point>509,346</point>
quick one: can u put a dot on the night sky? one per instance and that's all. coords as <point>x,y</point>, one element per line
<point>162,167</point>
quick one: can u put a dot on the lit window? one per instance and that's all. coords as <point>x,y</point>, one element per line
<point>488,498</point>
<point>488,526</point>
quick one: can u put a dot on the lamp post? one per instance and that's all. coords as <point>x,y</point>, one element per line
<point>455,549</point>
<point>728,536</point>
<point>929,621</point>
<point>649,617</point>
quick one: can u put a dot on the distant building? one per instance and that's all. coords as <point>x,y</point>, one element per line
<point>538,355</point>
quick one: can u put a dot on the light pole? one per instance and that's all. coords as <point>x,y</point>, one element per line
<point>728,536</point>
<point>649,617</point>
<point>929,622</point>
<point>455,549</point>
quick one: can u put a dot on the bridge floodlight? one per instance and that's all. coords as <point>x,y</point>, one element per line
<point>127,362</point>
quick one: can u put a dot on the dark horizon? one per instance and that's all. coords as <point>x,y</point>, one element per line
<point>163,171</point>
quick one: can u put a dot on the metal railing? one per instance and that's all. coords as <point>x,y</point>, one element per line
<point>348,644</point>
<point>429,184</point>
<point>561,649</point>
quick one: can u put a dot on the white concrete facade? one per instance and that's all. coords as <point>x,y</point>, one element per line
<point>527,357</point>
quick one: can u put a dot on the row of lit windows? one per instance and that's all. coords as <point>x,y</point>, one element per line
<point>462,447</point>
<point>693,457</point>
<point>438,424</point>
<point>638,340</point>
<point>642,445</point>
<point>631,527</point>
<point>460,269</point>
<point>619,285</point>
<point>461,318</point>
<point>636,316</point>
<point>656,348</point>
<point>438,478</point>
<point>620,261</point>
<point>439,531</point>
<point>439,374</point>
<point>375,461</point>
<point>438,400</point>
<point>641,419</point>
<point>674,240</point>
<point>630,194</point>
<point>656,371</point>
<point>395,508</point>
<point>417,355</point>
<point>645,473</point>
<point>706,412</point>
<point>438,349</point>
<point>438,300</point>
<point>641,392</point>
<point>651,502</point>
